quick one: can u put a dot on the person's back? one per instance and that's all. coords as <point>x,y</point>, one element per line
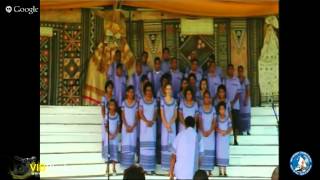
<point>134,172</point>
<point>186,149</point>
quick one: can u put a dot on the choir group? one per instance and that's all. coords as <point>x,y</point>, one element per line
<point>149,109</point>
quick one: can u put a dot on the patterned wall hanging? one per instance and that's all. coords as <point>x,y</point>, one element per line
<point>134,36</point>
<point>170,36</point>
<point>269,63</point>
<point>255,42</point>
<point>69,65</point>
<point>239,54</point>
<point>202,46</point>
<point>44,69</point>
<point>222,42</point>
<point>152,40</point>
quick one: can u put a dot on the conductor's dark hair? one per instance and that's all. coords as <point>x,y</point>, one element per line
<point>165,49</point>
<point>230,66</point>
<point>221,104</point>
<point>200,175</point>
<point>192,75</point>
<point>188,89</point>
<point>108,83</point>
<point>120,65</point>
<point>156,59</point>
<point>189,121</point>
<point>143,78</point>
<point>134,172</point>
<point>148,84</point>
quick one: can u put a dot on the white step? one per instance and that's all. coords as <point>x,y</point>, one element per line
<point>261,111</point>
<point>96,158</point>
<point>70,138</point>
<point>96,147</point>
<point>95,119</point>
<point>255,130</point>
<point>99,170</point>
<point>70,110</point>
<point>96,137</point>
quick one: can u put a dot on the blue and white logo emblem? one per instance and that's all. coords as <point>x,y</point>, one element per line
<point>300,163</point>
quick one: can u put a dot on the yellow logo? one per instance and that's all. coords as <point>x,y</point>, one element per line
<point>36,168</point>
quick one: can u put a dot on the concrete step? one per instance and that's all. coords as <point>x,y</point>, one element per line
<point>96,137</point>
<point>99,170</point>
<point>95,158</point>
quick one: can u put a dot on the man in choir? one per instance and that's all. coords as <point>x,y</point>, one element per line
<point>120,82</point>
<point>134,172</point>
<point>155,75</point>
<point>212,60</point>
<point>112,68</point>
<point>145,66</point>
<point>233,87</point>
<point>186,148</point>
<point>136,79</point>
<point>176,77</point>
<point>193,56</point>
<point>194,70</point>
<point>165,62</point>
<point>214,80</point>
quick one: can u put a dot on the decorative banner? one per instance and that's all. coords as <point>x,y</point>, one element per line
<point>152,40</point>
<point>44,69</point>
<point>239,54</point>
<point>103,56</point>
<point>269,62</point>
<point>221,40</point>
<point>69,88</point>
<point>96,76</point>
<point>202,26</point>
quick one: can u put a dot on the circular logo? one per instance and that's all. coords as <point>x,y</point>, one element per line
<point>8,9</point>
<point>300,163</point>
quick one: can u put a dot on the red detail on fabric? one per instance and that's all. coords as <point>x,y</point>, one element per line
<point>91,99</point>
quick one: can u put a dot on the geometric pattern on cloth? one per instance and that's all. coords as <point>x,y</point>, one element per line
<point>69,65</point>
<point>222,52</point>
<point>269,65</point>
<point>238,43</point>
<point>202,45</point>
<point>44,69</point>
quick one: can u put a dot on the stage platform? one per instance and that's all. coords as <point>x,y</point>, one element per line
<point>70,144</point>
